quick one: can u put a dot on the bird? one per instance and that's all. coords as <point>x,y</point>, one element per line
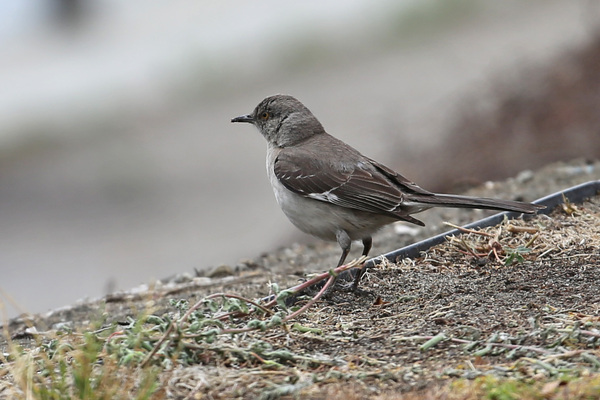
<point>328,189</point>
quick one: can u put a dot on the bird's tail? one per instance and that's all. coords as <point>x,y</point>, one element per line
<point>457,201</point>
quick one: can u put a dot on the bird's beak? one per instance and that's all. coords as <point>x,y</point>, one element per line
<point>243,118</point>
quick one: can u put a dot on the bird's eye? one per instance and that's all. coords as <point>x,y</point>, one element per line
<point>265,115</point>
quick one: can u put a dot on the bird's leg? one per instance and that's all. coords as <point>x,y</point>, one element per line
<point>367,243</point>
<point>345,242</point>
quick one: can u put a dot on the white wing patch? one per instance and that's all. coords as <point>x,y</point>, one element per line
<point>288,177</point>
<point>393,209</point>
<point>325,196</point>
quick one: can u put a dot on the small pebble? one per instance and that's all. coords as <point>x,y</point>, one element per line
<point>63,326</point>
<point>220,271</point>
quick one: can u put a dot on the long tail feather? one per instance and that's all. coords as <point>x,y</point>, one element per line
<point>449,200</point>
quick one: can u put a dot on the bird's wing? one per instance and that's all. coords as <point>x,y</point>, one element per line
<point>358,182</point>
<point>406,184</point>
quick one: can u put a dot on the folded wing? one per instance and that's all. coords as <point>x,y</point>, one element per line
<point>354,183</point>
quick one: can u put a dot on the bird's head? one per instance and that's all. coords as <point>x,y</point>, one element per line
<point>283,120</point>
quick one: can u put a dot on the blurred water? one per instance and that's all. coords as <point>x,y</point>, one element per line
<point>118,163</point>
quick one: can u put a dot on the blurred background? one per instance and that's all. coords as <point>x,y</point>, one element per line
<point>118,163</point>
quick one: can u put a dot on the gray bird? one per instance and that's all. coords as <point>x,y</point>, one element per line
<point>328,189</point>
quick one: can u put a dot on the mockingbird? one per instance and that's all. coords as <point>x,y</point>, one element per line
<point>328,189</point>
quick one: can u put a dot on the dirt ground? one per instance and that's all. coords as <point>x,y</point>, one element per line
<point>529,311</point>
